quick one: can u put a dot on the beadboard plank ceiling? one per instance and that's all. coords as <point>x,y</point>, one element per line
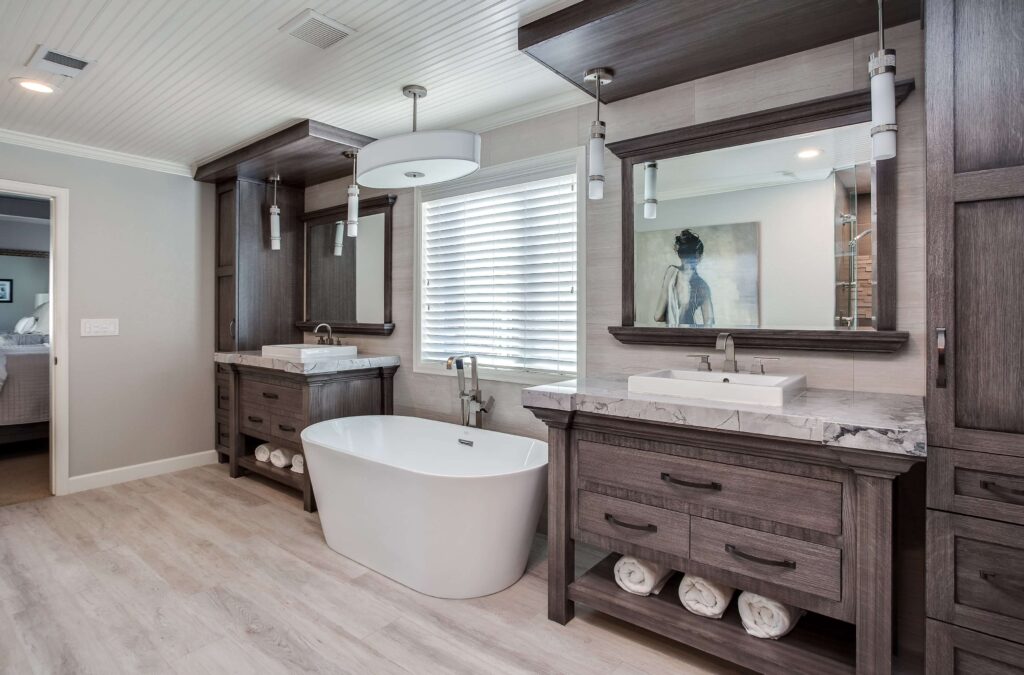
<point>184,81</point>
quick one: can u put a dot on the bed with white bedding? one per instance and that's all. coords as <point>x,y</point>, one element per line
<point>24,391</point>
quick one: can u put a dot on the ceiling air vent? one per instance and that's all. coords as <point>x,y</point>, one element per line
<point>50,61</point>
<point>317,29</point>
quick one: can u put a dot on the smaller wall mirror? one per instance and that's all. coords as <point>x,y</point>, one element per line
<point>351,292</point>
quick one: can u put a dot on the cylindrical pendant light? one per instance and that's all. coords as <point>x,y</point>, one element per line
<point>275,218</point>
<point>353,198</point>
<point>651,190</point>
<point>339,238</point>
<point>595,152</point>
<point>882,69</point>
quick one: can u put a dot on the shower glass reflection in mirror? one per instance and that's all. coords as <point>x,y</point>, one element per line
<point>775,234</point>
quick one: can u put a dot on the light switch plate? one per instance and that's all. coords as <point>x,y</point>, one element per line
<point>100,327</point>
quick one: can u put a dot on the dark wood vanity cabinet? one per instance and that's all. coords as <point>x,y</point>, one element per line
<point>806,524</point>
<point>259,290</point>
<point>261,405</point>
<point>975,185</point>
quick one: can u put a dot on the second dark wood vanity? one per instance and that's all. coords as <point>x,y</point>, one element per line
<point>257,404</point>
<point>806,522</point>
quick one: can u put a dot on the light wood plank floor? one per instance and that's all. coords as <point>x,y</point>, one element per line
<point>24,471</point>
<point>194,572</point>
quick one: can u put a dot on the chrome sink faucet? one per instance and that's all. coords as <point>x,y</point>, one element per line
<point>726,344</point>
<point>320,338</point>
<point>473,407</point>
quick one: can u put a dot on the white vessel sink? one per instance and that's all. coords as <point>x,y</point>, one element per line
<point>309,352</point>
<point>726,387</point>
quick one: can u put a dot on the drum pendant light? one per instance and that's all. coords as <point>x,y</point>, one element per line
<point>420,157</point>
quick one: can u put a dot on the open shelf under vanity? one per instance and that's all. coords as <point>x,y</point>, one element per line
<point>818,644</point>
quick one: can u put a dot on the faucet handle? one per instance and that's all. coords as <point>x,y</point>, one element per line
<point>486,407</point>
<point>705,361</point>
<point>759,368</point>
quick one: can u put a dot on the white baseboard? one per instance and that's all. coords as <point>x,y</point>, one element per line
<point>124,474</point>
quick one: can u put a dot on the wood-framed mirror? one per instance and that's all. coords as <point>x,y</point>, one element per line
<point>773,226</point>
<point>350,289</point>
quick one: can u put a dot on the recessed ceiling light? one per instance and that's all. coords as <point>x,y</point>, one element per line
<point>808,153</point>
<point>33,85</point>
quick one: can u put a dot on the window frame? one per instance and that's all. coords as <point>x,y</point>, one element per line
<point>511,173</point>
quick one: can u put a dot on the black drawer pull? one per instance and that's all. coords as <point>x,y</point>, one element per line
<point>285,427</point>
<point>615,521</point>
<point>1004,492</point>
<point>732,550</point>
<point>711,485</point>
<point>256,420</point>
<point>269,395</point>
<point>225,398</point>
<point>1004,582</point>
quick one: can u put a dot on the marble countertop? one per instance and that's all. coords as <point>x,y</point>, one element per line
<point>880,422</point>
<point>330,365</point>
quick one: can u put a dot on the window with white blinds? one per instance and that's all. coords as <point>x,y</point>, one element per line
<point>498,279</point>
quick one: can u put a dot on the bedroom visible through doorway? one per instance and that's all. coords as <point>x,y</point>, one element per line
<point>25,347</point>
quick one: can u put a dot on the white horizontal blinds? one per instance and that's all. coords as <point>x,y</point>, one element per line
<point>499,276</point>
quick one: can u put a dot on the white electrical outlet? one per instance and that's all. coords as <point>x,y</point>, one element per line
<point>100,327</point>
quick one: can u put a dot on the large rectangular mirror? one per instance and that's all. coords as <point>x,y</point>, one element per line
<point>349,287</point>
<point>775,234</point>
<point>776,227</point>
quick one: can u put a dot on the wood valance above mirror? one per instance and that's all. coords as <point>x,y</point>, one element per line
<point>332,290</point>
<point>775,125</point>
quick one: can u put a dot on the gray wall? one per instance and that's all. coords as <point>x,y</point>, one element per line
<point>31,276</point>
<point>141,250</point>
<point>24,236</point>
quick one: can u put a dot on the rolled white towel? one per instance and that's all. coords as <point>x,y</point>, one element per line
<point>282,457</point>
<point>765,618</point>
<point>640,577</point>
<point>263,452</point>
<point>703,597</point>
<point>299,464</point>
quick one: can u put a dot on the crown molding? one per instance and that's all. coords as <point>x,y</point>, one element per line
<point>90,152</point>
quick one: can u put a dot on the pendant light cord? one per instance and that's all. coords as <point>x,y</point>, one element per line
<point>597,95</point>
<point>881,28</point>
<point>416,99</point>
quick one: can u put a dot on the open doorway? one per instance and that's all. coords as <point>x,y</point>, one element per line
<point>25,348</point>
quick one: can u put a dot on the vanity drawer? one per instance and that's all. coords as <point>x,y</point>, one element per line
<point>977,574</point>
<point>223,427</point>
<point>255,420</point>
<point>223,369</point>
<point>647,526</point>
<point>784,561</point>
<point>976,484</point>
<point>809,503</point>
<point>957,651</point>
<point>286,428</point>
<point>223,393</point>
<point>280,398</point>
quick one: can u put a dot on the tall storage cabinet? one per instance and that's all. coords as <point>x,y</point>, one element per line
<point>259,290</point>
<point>975,184</point>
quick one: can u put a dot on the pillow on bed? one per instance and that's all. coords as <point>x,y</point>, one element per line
<point>42,319</point>
<point>25,325</point>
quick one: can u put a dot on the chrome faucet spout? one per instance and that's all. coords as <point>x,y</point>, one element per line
<point>320,338</point>
<point>725,343</point>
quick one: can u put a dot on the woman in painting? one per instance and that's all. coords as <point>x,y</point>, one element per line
<point>684,294</point>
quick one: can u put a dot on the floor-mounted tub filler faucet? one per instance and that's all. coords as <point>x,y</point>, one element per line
<point>473,407</point>
<point>726,344</point>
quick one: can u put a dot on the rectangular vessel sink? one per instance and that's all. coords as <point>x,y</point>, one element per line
<point>309,352</point>
<point>727,387</point>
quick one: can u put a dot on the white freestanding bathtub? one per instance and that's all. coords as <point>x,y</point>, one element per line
<point>446,510</point>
